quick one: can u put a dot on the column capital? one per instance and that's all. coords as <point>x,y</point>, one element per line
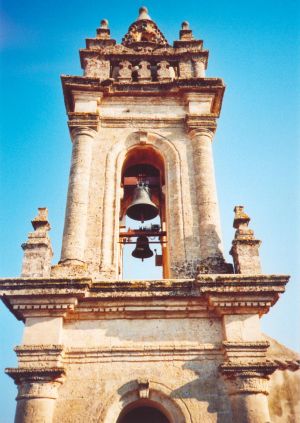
<point>195,133</point>
<point>248,378</point>
<point>200,123</point>
<point>83,121</point>
<point>37,382</point>
<point>79,131</point>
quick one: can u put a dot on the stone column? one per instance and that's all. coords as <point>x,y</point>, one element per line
<point>37,393</point>
<point>211,254</point>
<point>246,368</point>
<point>248,390</point>
<point>73,244</point>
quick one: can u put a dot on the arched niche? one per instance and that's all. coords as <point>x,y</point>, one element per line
<point>139,159</point>
<point>116,157</point>
<point>145,164</point>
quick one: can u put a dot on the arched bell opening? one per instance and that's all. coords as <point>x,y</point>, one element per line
<point>143,214</point>
<point>143,411</point>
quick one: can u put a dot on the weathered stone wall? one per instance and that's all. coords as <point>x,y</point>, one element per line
<point>171,363</point>
<point>156,332</point>
<point>187,388</point>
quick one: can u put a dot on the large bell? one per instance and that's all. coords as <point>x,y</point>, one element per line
<point>142,208</point>
<point>142,249</point>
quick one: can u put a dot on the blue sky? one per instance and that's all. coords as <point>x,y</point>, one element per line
<point>253,47</point>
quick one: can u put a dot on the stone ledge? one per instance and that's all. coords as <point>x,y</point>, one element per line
<point>143,352</point>
<point>140,121</point>
<point>230,345</point>
<point>53,348</point>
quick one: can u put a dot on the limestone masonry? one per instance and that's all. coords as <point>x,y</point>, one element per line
<point>184,349</point>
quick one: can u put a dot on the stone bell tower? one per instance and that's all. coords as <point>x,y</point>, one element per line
<point>182,349</point>
<point>143,106</point>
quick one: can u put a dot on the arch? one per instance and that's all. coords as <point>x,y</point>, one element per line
<point>114,163</point>
<point>143,154</point>
<point>141,158</point>
<point>157,395</point>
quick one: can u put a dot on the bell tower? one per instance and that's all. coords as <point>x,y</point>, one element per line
<point>186,347</point>
<point>142,121</point>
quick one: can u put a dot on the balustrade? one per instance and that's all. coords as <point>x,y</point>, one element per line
<point>143,71</point>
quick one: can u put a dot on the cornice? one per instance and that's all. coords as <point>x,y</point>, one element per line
<point>40,285</point>
<point>110,87</point>
<point>247,294</point>
<point>207,295</point>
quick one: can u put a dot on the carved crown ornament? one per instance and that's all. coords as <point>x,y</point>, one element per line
<point>144,30</point>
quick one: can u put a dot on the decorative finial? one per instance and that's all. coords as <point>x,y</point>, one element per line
<point>185,25</point>
<point>143,14</point>
<point>37,249</point>
<point>40,222</point>
<point>185,34</point>
<point>241,219</point>
<point>104,24</point>
<point>245,247</point>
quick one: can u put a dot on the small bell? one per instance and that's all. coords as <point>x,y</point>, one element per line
<point>142,249</point>
<point>142,208</point>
